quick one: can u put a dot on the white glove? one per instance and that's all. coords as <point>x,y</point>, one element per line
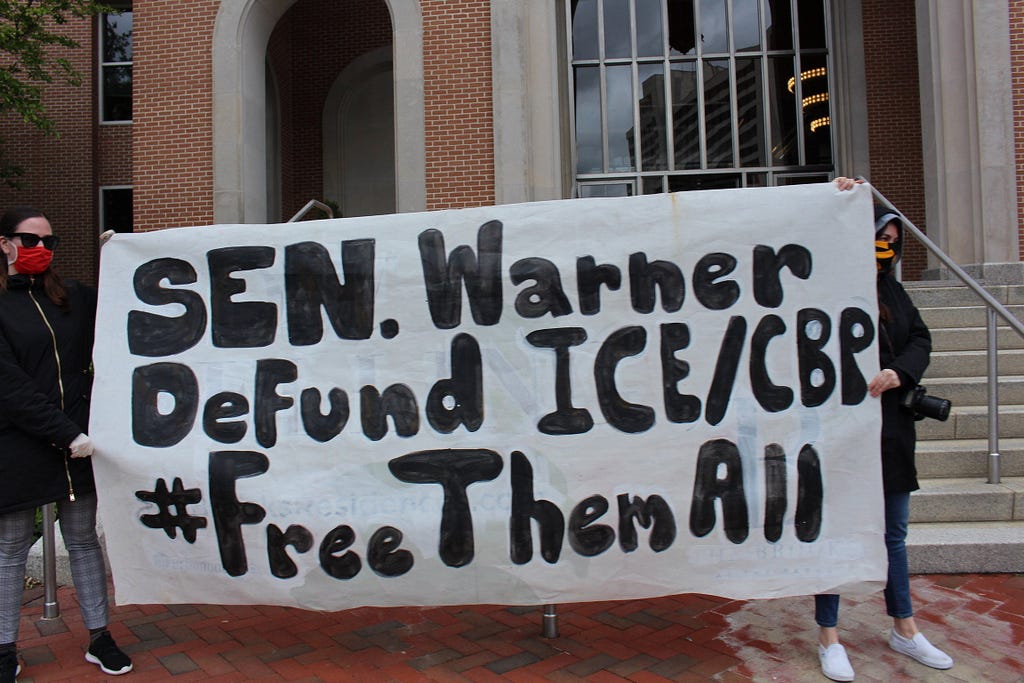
<point>81,447</point>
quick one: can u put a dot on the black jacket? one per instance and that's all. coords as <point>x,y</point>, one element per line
<point>45,381</point>
<point>904,345</point>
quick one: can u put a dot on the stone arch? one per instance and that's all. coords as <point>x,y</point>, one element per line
<point>339,108</point>
<point>241,33</point>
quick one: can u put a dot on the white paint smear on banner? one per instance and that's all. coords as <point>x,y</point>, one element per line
<point>593,399</point>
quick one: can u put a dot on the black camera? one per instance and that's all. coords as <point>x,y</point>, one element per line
<point>922,405</point>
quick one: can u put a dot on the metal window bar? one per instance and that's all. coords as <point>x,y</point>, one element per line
<point>994,308</point>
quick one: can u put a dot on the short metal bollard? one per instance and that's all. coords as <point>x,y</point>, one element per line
<point>550,626</point>
<point>51,609</point>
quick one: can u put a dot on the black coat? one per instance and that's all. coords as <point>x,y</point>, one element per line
<point>904,345</point>
<point>39,415</point>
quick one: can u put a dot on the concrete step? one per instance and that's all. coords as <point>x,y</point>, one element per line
<point>971,422</point>
<point>966,547</point>
<point>961,458</point>
<point>973,391</point>
<point>962,316</point>
<point>959,522</point>
<point>929,294</point>
<point>974,363</point>
<point>968,500</point>
<point>974,338</point>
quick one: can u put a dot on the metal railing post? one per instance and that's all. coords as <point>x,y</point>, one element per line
<point>51,609</point>
<point>550,626</point>
<point>993,400</point>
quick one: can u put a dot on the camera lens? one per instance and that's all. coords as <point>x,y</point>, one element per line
<point>933,407</point>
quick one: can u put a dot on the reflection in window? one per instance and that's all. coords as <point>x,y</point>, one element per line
<point>116,212</point>
<point>116,64</point>
<point>606,189</point>
<point>686,94</point>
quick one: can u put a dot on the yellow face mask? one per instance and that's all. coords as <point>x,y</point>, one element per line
<point>884,256</point>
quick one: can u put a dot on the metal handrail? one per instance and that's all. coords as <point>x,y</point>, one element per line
<point>309,205</point>
<point>993,308</point>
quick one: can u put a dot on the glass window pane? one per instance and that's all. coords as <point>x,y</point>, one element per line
<point>750,112</point>
<point>779,28</point>
<point>621,134</point>
<point>816,108</point>
<point>606,190</point>
<point>802,179</point>
<point>721,181</point>
<point>811,15</point>
<point>681,27</point>
<point>584,29</point>
<point>654,185</point>
<point>746,26</point>
<point>117,93</point>
<point>589,155</point>
<point>718,113</point>
<point>653,128</point>
<point>116,209</point>
<point>649,41</point>
<point>617,30</point>
<point>686,121</point>
<point>782,105</point>
<point>714,31</point>
<point>757,180</point>
<point>117,37</point>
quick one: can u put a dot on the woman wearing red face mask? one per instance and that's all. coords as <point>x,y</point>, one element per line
<point>46,337</point>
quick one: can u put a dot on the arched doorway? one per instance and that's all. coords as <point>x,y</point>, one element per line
<point>241,52</point>
<point>359,137</point>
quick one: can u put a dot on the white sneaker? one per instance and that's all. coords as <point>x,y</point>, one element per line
<point>834,662</point>
<point>920,649</point>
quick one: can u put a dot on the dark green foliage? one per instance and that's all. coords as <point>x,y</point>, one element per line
<point>29,31</point>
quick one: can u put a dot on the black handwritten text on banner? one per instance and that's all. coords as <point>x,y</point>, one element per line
<point>558,401</point>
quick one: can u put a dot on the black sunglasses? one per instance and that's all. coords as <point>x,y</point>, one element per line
<point>30,240</point>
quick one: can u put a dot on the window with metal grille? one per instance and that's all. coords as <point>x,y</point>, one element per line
<point>696,94</point>
<point>116,64</point>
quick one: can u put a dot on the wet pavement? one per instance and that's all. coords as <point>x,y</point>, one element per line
<point>977,618</point>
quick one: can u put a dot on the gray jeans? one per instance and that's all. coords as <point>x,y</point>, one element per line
<point>78,527</point>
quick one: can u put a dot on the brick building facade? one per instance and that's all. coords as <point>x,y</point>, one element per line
<point>238,108</point>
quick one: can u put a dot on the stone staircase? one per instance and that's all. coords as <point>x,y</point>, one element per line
<point>958,521</point>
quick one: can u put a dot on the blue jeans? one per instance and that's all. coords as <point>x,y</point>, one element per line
<point>897,588</point>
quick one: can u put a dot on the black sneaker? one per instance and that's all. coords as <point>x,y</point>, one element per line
<point>105,653</point>
<point>9,667</point>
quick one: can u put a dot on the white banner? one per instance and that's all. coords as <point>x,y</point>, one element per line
<point>540,403</point>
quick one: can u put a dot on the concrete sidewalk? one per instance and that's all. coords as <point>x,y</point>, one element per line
<point>977,618</point>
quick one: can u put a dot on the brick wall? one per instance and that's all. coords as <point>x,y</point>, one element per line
<point>458,104</point>
<point>172,133</point>
<point>894,115</point>
<point>1017,66</point>
<point>114,155</point>
<point>59,171</point>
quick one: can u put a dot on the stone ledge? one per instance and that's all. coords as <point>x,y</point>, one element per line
<point>966,547</point>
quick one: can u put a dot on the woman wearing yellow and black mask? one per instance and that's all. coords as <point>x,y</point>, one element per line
<point>904,348</point>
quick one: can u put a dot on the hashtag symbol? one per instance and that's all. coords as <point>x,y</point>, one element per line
<point>179,497</point>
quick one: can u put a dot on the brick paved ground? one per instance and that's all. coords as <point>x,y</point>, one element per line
<point>978,619</point>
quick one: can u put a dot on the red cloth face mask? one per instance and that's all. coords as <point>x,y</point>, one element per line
<point>33,260</point>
